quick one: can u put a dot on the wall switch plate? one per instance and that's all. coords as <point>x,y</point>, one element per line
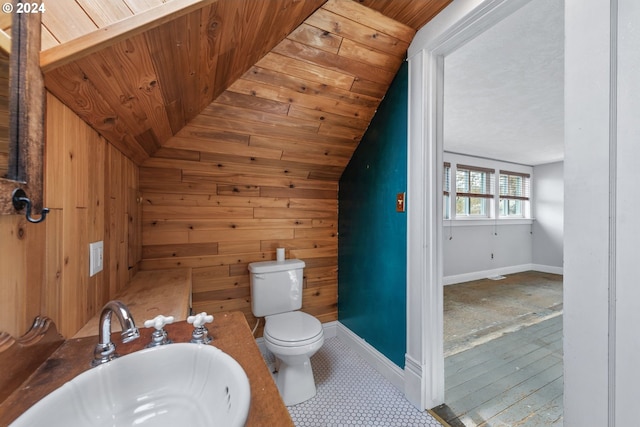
<point>400,204</point>
<point>95,258</point>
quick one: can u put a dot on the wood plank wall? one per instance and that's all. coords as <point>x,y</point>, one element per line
<point>92,192</point>
<point>21,270</point>
<point>259,167</point>
<point>305,106</point>
<point>219,224</point>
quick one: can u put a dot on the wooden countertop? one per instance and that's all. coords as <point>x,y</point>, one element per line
<point>230,333</point>
<point>149,293</point>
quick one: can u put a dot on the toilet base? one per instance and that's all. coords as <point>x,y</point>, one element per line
<point>295,382</point>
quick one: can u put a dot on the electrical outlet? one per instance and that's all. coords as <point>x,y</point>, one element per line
<point>95,258</point>
<point>491,256</point>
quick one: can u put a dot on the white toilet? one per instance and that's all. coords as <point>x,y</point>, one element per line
<point>291,335</point>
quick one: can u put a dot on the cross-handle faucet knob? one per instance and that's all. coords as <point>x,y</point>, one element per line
<point>200,333</point>
<point>159,336</point>
<point>158,322</point>
<point>200,319</point>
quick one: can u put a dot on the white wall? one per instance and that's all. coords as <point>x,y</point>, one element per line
<point>601,227</point>
<point>587,147</point>
<point>601,297</point>
<point>627,292</point>
<point>516,245</point>
<point>548,211</point>
<point>468,251</point>
<point>479,248</point>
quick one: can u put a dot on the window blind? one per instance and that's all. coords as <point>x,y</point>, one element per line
<point>446,181</point>
<point>514,185</point>
<point>473,181</point>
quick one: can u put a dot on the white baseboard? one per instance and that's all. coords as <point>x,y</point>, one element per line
<point>261,346</point>
<point>477,275</point>
<point>413,377</point>
<point>547,269</point>
<point>377,360</point>
<point>330,329</point>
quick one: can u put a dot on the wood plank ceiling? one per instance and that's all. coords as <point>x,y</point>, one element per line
<point>242,115</point>
<point>302,109</point>
<point>166,65</point>
<point>139,71</point>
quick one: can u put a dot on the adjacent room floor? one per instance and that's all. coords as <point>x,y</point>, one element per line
<point>503,352</point>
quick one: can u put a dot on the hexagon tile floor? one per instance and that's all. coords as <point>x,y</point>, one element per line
<point>351,393</point>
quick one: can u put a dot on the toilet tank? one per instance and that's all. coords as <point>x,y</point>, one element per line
<point>276,286</point>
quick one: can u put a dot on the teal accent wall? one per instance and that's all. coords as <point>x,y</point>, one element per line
<point>372,235</point>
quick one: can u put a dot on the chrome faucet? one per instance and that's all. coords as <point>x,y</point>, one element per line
<point>105,350</point>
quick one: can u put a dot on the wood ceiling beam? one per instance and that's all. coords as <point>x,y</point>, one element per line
<point>104,37</point>
<point>5,41</point>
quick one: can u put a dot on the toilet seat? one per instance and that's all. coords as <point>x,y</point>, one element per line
<point>292,329</point>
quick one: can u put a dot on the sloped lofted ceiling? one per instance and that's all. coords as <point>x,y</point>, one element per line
<point>283,85</point>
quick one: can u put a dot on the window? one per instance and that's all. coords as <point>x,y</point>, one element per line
<point>514,194</point>
<point>480,192</point>
<point>474,191</point>
<point>446,184</point>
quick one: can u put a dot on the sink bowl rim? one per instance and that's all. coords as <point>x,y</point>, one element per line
<point>209,353</point>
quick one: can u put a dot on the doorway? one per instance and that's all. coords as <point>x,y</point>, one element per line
<point>502,128</point>
<point>459,23</point>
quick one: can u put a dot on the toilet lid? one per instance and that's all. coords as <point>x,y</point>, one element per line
<point>294,328</point>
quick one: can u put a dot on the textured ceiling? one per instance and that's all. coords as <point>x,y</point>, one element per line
<point>504,89</point>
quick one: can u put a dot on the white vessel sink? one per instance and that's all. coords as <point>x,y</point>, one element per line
<point>185,385</point>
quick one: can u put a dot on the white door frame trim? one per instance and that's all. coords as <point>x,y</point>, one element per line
<point>459,22</point>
